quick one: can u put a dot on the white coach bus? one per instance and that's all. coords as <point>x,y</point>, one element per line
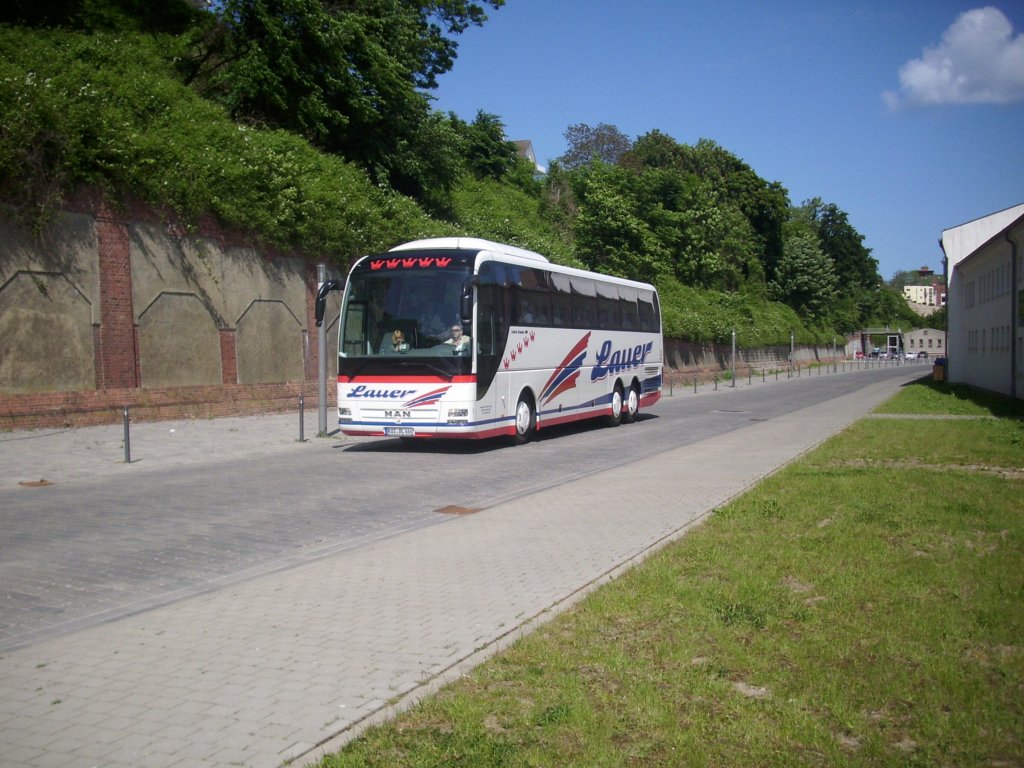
<point>461,337</point>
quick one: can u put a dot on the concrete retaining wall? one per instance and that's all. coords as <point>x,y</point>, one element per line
<point>107,302</point>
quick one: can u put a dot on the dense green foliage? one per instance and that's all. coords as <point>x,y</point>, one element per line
<point>106,110</point>
<point>307,123</point>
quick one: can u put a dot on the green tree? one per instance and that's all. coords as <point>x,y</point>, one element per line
<point>804,278</point>
<point>488,154</point>
<point>170,16</point>
<point>558,200</point>
<point>854,265</point>
<point>764,204</point>
<point>611,234</point>
<point>428,161</point>
<point>654,150</point>
<point>603,142</point>
<point>349,76</point>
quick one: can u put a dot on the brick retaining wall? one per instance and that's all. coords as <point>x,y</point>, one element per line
<point>106,406</point>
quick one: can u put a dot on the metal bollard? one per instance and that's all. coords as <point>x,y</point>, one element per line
<point>695,384</point>
<point>302,419</point>
<point>127,439</point>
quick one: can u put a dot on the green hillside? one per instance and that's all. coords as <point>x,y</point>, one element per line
<point>311,128</point>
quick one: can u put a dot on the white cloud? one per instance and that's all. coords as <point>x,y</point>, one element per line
<point>979,61</point>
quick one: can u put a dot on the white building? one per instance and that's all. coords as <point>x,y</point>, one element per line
<point>985,274</point>
<point>931,341</point>
<point>920,294</point>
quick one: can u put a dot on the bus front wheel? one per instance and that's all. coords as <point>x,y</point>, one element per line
<point>526,420</point>
<point>614,418</point>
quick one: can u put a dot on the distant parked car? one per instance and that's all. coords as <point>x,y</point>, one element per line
<point>922,354</point>
<point>860,355</point>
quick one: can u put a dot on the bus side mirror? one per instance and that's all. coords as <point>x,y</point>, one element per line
<point>321,299</point>
<point>466,300</point>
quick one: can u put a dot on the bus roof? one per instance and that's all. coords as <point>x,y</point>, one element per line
<point>500,249</point>
<point>470,244</point>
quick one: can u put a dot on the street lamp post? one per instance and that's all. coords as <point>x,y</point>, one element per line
<point>734,358</point>
<point>321,350</point>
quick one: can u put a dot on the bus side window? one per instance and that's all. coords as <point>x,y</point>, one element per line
<point>648,312</point>
<point>485,309</point>
<point>533,298</point>
<point>629,310</point>
<point>485,330</point>
<point>561,301</point>
<point>584,302</point>
<point>354,341</point>
<point>608,307</point>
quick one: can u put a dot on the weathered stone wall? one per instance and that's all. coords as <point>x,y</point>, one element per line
<point>49,306</point>
<point>113,301</point>
<point>686,359</point>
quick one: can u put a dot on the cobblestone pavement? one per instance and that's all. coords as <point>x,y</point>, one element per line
<point>288,664</point>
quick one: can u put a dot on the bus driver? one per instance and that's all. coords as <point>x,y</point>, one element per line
<point>458,341</point>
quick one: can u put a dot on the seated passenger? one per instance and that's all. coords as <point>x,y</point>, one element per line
<point>398,344</point>
<point>460,343</point>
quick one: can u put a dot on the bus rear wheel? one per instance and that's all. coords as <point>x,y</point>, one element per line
<point>632,405</point>
<point>526,420</point>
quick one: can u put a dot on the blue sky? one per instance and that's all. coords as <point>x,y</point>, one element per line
<point>907,115</point>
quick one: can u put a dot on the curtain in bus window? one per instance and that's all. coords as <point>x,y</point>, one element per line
<point>584,302</point>
<point>561,301</point>
<point>533,297</point>
<point>648,312</point>
<point>628,309</point>
<point>608,307</point>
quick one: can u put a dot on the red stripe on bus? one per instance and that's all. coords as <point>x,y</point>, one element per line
<point>468,379</point>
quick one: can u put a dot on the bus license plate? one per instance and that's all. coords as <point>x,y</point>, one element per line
<point>399,431</point>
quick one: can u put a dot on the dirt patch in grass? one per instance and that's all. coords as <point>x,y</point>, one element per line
<point>1009,473</point>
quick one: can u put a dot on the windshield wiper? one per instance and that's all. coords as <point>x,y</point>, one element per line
<point>424,364</point>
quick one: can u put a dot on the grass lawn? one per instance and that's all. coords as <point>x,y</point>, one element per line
<point>864,606</point>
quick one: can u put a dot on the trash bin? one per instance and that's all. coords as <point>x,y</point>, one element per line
<point>939,369</point>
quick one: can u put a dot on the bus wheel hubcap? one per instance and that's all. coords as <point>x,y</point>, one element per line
<point>523,418</point>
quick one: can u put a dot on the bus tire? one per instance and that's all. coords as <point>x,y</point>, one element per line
<point>632,405</point>
<point>525,421</point>
<point>614,418</point>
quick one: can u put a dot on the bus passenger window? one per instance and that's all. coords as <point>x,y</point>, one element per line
<point>533,298</point>
<point>648,312</point>
<point>584,302</point>
<point>561,301</point>
<point>627,305</point>
<point>608,307</point>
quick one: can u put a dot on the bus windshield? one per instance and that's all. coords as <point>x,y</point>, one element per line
<point>405,306</point>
